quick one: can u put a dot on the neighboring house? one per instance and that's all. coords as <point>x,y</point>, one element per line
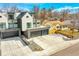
<point>16,14</point>
<point>3,21</point>
<point>67,22</point>
<point>76,25</point>
<point>8,20</point>
<point>12,21</point>
<point>25,21</point>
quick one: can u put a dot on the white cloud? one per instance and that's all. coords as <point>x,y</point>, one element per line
<point>72,9</point>
<point>65,8</point>
<point>25,9</point>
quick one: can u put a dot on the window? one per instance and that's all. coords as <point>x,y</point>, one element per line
<point>11,16</point>
<point>2,25</point>
<point>0,16</point>
<point>64,26</point>
<point>58,26</point>
<point>10,25</point>
<point>36,24</point>
<point>13,25</point>
<point>28,25</point>
<point>27,16</point>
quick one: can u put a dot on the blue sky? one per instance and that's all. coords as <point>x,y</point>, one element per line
<point>40,5</point>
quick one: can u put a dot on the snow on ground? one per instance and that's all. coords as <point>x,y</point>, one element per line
<point>49,43</point>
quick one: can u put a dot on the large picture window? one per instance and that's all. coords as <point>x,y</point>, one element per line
<point>13,25</point>
<point>11,16</point>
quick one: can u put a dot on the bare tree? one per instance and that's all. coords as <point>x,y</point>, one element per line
<point>43,15</point>
<point>65,14</point>
<point>50,14</point>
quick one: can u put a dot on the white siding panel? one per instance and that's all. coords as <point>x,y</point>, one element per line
<point>25,20</point>
<point>4,19</point>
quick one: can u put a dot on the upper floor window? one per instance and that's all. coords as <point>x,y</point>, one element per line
<point>27,16</point>
<point>11,16</point>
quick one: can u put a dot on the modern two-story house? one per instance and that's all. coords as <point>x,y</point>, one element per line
<point>8,20</point>
<point>24,21</point>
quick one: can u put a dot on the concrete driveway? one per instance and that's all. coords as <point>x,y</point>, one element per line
<point>70,51</point>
